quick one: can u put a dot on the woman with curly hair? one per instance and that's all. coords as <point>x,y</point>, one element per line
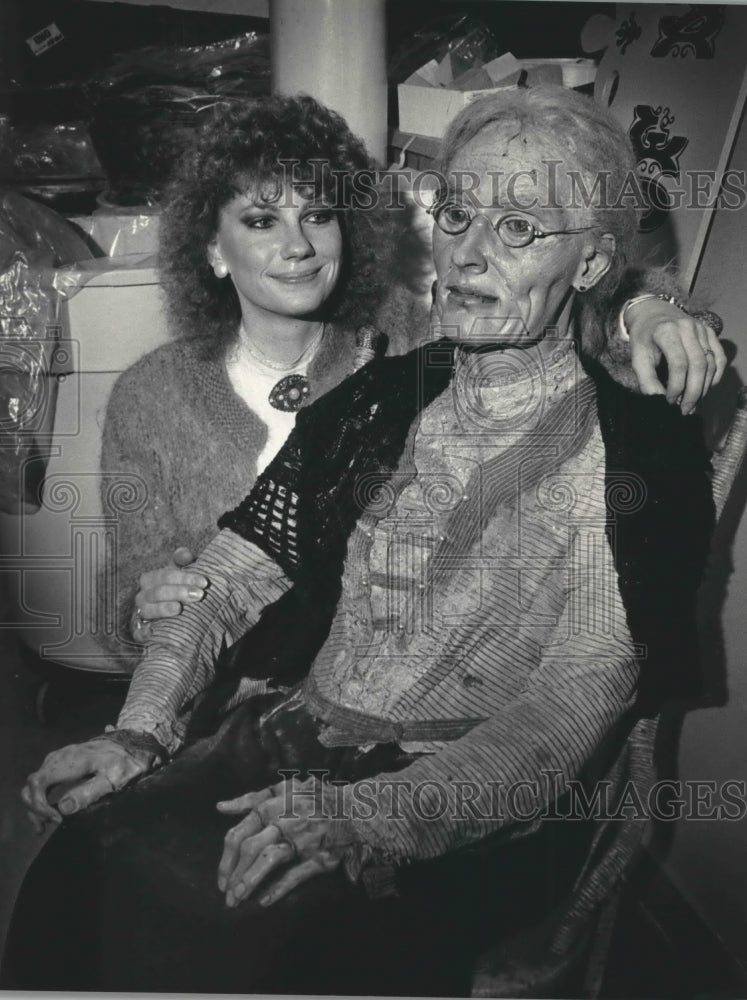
<point>272,254</point>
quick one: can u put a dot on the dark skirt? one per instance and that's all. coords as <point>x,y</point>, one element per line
<point>124,897</point>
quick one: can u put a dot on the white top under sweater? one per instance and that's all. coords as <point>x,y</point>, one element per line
<point>253,382</point>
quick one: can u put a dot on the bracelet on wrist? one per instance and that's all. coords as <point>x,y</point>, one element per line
<point>671,299</point>
<point>131,739</point>
<point>711,319</point>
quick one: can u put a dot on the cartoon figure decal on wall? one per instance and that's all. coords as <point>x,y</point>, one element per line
<point>658,153</point>
<point>628,32</point>
<point>693,33</point>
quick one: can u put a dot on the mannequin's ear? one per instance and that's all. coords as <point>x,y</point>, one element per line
<point>595,263</point>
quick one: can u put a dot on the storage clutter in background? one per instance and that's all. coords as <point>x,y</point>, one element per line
<point>80,301</point>
<point>134,119</point>
<point>58,553</point>
<point>70,323</point>
<point>431,96</point>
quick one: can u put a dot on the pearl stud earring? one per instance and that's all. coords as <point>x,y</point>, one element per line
<point>221,270</point>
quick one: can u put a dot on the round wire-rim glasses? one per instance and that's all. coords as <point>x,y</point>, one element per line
<point>514,230</point>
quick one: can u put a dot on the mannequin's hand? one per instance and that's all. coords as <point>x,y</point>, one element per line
<point>286,827</point>
<point>90,770</point>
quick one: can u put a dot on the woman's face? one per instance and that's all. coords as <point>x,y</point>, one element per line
<point>283,256</point>
<point>493,292</point>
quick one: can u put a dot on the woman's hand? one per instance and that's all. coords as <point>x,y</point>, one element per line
<point>286,825</point>
<point>695,359</point>
<point>163,592</point>
<point>89,770</point>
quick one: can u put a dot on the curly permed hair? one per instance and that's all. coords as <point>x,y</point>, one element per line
<point>245,147</point>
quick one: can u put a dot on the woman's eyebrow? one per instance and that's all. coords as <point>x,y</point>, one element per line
<point>260,206</point>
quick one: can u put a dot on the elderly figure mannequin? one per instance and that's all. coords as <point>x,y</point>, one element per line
<point>446,601</point>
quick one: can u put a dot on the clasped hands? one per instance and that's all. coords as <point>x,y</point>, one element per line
<point>286,826</point>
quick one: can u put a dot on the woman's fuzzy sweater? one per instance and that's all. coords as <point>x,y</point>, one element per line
<point>179,448</point>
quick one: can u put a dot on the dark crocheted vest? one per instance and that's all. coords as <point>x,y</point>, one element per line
<point>304,506</point>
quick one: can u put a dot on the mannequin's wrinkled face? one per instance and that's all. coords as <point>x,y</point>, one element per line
<point>486,290</point>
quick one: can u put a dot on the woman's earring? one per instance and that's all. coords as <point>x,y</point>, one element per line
<point>221,270</point>
<point>580,288</point>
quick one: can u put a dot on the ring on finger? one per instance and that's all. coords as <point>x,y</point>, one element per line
<point>708,352</point>
<point>282,839</point>
<point>139,624</point>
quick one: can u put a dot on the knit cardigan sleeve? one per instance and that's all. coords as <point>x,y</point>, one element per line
<point>135,475</point>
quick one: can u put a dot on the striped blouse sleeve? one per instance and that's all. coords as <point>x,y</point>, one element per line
<point>180,656</point>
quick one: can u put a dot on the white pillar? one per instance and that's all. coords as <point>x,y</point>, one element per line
<point>335,51</point>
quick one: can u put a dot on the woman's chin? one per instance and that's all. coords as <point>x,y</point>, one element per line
<point>304,309</point>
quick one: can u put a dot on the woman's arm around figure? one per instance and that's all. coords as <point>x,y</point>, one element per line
<point>649,321</point>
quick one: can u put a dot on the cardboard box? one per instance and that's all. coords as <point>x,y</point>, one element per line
<point>570,72</point>
<point>425,109</point>
<point>427,102</point>
<point>115,313</point>
<point>428,110</point>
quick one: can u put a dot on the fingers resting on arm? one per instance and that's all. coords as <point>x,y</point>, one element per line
<point>163,592</point>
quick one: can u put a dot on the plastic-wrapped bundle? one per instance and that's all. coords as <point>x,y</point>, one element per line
<point>52,151</point>
<point>140,135</point>
<point>463,39</point>
<point>149,103</point>
<point>33,239</point>
<point>210,68</point>
<point>27,225</point>
<point>28,333</point>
